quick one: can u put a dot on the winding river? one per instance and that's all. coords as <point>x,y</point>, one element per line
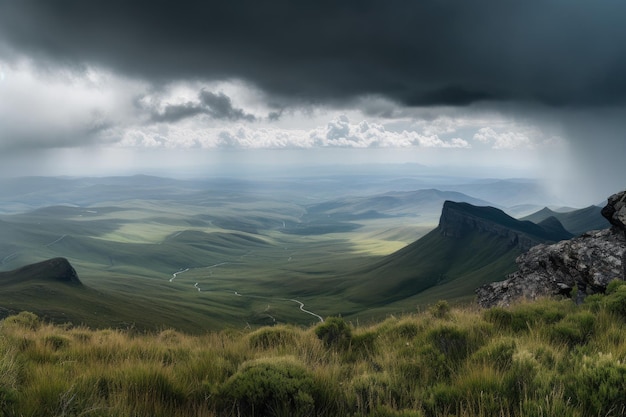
<point>236,293</point>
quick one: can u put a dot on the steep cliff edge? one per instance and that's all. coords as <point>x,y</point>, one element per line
<point>588,262</point>
<point>459,219</point>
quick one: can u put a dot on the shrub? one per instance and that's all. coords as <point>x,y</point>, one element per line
<point>598,385</point>
<point>334,332</point>
<point>594,302</point>
<point>499,316</point>
<point>441,309</point>
<point>372,391</point>
<point>82,336</point>
<point>361,346</point>
<point>56,342</point>
<point>498,354</point>
<point>269,387</point>
<point>432,364</point>
<point>575,329</point>
<point>272,338</point>
<point>616,301</point>
<point>520,379</point>
<point>149,391</point>
<point>401,330</point>
<point>482,392</point>
<point>9,376</point>
<point>443,400</point>
<point>453,342</point>
<point>24,319</point>
<point>169,336</point>
<point>8,399</point>
<point>614,286</point>
<point>521,317</point>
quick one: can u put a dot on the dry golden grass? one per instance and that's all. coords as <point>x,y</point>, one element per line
<point>533,359</point>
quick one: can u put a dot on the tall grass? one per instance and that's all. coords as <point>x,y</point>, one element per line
<point>533,359</point>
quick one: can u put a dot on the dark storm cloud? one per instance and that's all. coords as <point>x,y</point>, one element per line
<point>176,112</point>
<point>557,52</point>
<point>218,106</point>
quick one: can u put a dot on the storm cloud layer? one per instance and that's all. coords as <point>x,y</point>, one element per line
<point>453,52</point>
<point>540,82</point>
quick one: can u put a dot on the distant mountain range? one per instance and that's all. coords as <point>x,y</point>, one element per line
<point>392,203</point>
<point>575,221</point>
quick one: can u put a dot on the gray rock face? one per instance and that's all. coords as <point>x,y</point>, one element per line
<point>590,262</point>
<point>615,211</point>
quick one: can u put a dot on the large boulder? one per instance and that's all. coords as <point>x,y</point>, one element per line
<point>615,211</point>
<point>588,262</point>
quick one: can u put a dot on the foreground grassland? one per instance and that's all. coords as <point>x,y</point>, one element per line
<point>535,359</point>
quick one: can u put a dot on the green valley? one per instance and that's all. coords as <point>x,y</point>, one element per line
<point>199,255</point>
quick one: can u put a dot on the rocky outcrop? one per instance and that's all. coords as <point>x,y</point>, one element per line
<point>588,262</point>
<point>615,211</point>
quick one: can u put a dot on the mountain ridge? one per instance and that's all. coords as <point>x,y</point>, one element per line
<point>472,245</point>
<point>457,219</point>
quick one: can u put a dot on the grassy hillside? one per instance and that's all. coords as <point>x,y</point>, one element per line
<point>209,254</point>
<point>210,269</point>
<point>456,265</point>
<point>534,359</point>
<point>470,247</point>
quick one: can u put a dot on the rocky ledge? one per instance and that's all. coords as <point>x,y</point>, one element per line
<point>588,262</point>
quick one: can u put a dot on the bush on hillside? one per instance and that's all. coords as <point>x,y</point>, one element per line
<point>615,301</point>
<point>614,286</point>
<point>272,338</point>
<point>56,342</point>
<point>24,319</point>
<point>575,329</point>
<point>334,332</point>
<point>441,309</point>
<point>498,354</point>
<point>523,316</point>
<point>269,387</point>
<point>452,341</point>
<point>598,386</point>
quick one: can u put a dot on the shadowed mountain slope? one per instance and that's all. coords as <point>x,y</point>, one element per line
<point>576,221</point>
<point>54,270</point>
<point>471,246</point>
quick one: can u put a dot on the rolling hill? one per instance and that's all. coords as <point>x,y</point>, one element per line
<point>52,290</point>
<point>472,245</point>
<point>425,202</point>
<point>199,255</point>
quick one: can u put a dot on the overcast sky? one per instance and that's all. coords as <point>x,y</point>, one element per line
<point>502,88</point>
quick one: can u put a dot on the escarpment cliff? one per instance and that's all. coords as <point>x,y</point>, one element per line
<point>588,262</point>
<point>460,219</point>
